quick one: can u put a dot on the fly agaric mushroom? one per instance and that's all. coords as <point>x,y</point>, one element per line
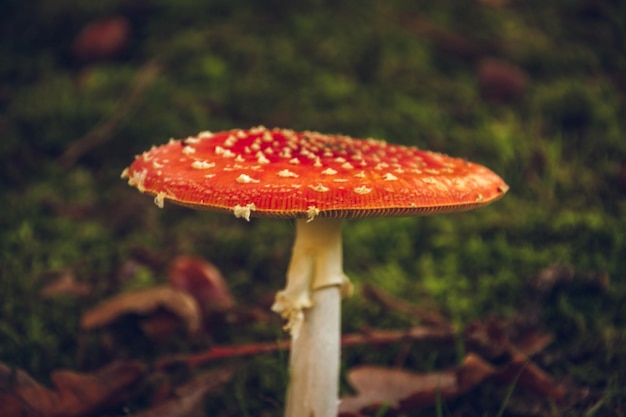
<point>317,179</point>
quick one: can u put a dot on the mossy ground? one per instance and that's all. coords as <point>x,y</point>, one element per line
<point>365,69</point>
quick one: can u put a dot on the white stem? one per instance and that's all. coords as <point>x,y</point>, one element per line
<point>311,304</point>
<point>314,362</point>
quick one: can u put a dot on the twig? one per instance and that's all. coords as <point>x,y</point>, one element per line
<point>105,129</point>
<point>375,337</point>
<point>429,317</point>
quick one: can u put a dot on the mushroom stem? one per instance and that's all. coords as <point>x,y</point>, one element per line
<point>314,360</point>
<point>311,304</point>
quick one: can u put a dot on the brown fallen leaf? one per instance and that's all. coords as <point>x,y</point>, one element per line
<point>532,342</point>
<point>74,394</point>
<point>160,325</point>
<point>402,390</point>
<point>102,39</point>
<point>187,400</point>
<point>145,303</point>
<point>490,339</point>
<point>501,81</point>
<point>202,280</point>
<point>65,284</point>
<point>529,375</point>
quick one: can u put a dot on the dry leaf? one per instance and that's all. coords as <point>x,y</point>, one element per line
<point>188,399</point>
<point>527,374</point>
<point>146,302</point>
<point>533,342</point>
<point>65,284</point>
<point>202,280</point>
<point>385,387</point>
<point>501,81</point>
<point>490,339</point>
<point>472,372</point>
<point>402,390</point>
<point>102,39</point>
<point>160,325</point>
<point>74,395</point>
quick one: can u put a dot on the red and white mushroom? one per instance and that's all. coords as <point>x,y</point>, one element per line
<point>317,179</point>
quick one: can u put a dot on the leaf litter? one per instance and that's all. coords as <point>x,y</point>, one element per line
<point>74,395</point>
<point>145,302</point>
<point>492,355</point>
<point>187,400</point>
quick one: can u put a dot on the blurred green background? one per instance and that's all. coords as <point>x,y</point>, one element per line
<point>535,90</point>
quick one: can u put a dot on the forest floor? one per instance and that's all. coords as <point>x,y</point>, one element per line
<point>516,309</point>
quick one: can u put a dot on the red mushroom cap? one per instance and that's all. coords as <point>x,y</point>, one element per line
<point>282,173</point>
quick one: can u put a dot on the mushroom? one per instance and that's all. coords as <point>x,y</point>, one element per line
<point>318,180</point>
